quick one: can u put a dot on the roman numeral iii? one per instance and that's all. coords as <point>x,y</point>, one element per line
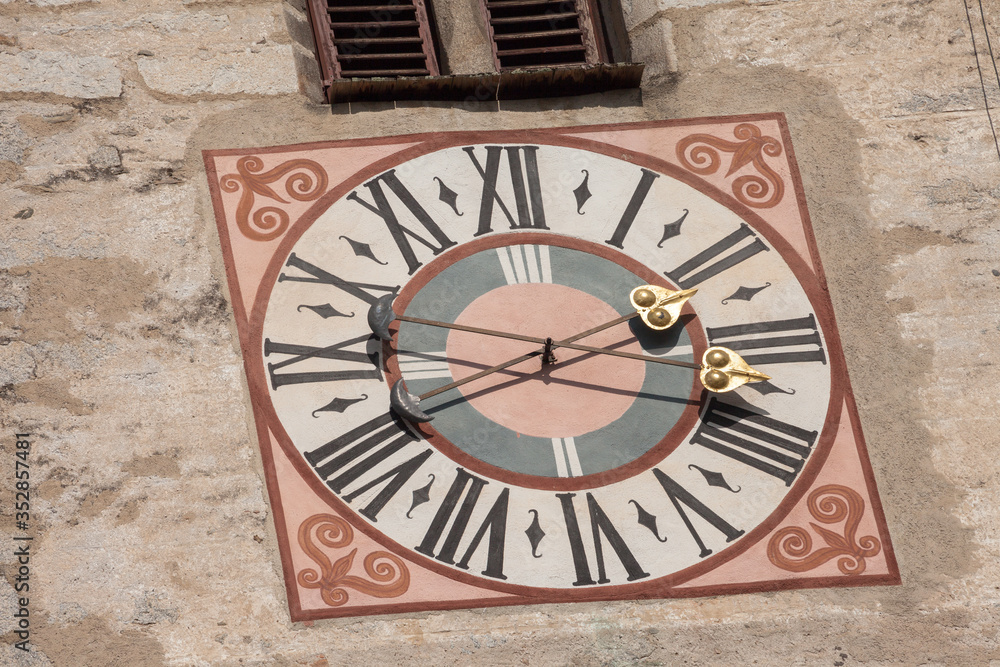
<point>767,338</point>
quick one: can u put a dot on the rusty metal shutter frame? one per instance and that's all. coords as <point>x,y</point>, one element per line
<point>378,50</point>
<point>373,39</point>
<point>529,34</point>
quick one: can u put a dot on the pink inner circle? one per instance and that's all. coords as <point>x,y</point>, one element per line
<point>580,393</point>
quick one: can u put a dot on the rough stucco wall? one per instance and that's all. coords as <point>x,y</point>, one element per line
<point>118,353</point>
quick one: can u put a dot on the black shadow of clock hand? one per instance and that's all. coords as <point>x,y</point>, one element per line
<point>544,374</point>
<point>659,342</point>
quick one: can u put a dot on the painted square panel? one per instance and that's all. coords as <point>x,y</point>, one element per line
<point>551,365</point>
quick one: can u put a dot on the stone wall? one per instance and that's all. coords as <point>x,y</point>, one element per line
<point>118,353</point>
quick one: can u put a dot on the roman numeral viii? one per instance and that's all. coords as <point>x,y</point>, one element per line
<point>350,458</point>
<point>767,444</point>
<point>380,206</point>
<point>717,258</point>
<point>523,179</point>
<point>766,338</point>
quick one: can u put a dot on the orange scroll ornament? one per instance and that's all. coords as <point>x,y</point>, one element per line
<point>791,548</point>
<point>270,222</point>
<point>387,574</point>
<point>749,189</point>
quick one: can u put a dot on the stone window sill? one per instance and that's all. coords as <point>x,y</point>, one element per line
<point>507,85</point>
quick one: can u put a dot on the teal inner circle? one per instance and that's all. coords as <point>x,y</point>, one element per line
<point>659,404</point>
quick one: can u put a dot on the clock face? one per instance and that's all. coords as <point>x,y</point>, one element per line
<point>585,471</point>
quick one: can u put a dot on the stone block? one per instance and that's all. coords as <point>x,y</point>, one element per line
<point>464,42</point>
<point>654,46</point>
<point>638,12</point>
<point>310,78</point>
<point>50,3</point>
<point>270,71</point>
<point>13,141</point>
<point>86,77</point>
<point>16,363</point>
<point>172,23</point>
<point>299,27</point>
<point>105,157</point>
<point>299,5</point>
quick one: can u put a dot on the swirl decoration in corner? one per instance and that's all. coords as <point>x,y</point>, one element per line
<point>270,222</point>
<point>791,548</point>
<point>749,189</point>
<point>387,574</point>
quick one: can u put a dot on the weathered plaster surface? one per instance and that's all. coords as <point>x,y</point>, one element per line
<point>117,350</point>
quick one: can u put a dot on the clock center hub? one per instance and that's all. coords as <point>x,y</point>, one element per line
<point>580,392</point>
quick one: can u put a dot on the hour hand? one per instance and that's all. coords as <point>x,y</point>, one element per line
<point>723,370</point>
<point>659,307</point>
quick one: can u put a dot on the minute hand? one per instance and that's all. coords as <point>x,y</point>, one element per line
<point>409,405</point>
<point>568,344</point>
<point>524,357</point>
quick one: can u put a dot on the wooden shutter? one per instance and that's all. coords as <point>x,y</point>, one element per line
<point>373,38</point>
<point>544,33</point>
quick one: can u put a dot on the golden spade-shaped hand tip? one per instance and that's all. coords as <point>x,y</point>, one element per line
<point>723,370</point>
<point>659,307</point>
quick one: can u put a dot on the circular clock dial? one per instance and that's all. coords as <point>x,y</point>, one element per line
<point>584,471</point>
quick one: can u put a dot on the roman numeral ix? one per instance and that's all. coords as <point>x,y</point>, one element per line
<point>300,353</point>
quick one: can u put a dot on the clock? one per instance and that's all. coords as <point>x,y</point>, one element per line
<point>538,366</point>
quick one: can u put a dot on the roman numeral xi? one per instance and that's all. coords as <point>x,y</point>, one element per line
<point>401,234</point>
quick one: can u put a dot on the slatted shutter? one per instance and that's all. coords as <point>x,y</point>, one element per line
<point>373,39</point>
<point>529,34</point>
